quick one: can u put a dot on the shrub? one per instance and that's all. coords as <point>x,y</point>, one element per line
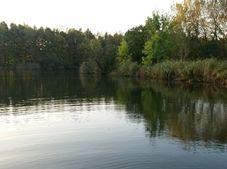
<point>89,67</point>
<point>208,70</point>
<point>128,68</point>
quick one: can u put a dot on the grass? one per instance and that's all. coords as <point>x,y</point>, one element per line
<point>207,70</point>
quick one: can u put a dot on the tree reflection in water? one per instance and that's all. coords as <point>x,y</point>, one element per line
<point>192,114</point>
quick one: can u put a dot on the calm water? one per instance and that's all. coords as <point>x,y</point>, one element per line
<point>65,121</point>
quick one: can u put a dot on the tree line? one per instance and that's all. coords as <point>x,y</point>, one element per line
<point>196,29</point>
<point>189,45</point>
<point>54,49</point>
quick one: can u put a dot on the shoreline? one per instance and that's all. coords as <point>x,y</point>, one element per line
<point>207,71</point>
<point>210,71</point>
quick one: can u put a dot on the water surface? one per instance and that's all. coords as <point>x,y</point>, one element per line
<point>64,121</point>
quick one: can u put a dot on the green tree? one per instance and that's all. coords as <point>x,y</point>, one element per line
<point>123,52</point>
<point>160,44</point>
<point>136,38</point>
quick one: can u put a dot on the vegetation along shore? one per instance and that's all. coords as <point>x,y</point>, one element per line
<point>189,45</point>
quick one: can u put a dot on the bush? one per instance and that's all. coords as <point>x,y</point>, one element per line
<point>128,68</point>
<point>87,68</point>
<point>208,70</point>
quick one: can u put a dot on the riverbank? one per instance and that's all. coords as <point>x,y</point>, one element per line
<point>205,71</point>
<point>200,71</point>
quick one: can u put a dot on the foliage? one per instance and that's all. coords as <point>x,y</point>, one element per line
<point>127,68</point>
<point>54,49</point>
<point>196,30</point>
<point>136,38</point>
<point>185,45</point>
<point>123,52</point>
<point>159,46</point>
<point>208,70</point>
<point>202,23</point>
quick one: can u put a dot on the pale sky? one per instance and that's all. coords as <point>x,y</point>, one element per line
<point>97,15</point>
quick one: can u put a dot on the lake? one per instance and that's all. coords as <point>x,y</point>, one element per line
<point>62,120</point>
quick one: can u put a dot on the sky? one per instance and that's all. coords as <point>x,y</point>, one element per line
<point>97,15</point>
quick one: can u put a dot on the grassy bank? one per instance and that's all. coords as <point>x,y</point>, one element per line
<point>205,71</point>
<point>208,70</point>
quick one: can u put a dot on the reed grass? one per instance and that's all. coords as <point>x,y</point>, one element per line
<point>207,70</point>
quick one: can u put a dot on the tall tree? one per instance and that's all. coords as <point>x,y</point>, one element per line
<point>136,38</point>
